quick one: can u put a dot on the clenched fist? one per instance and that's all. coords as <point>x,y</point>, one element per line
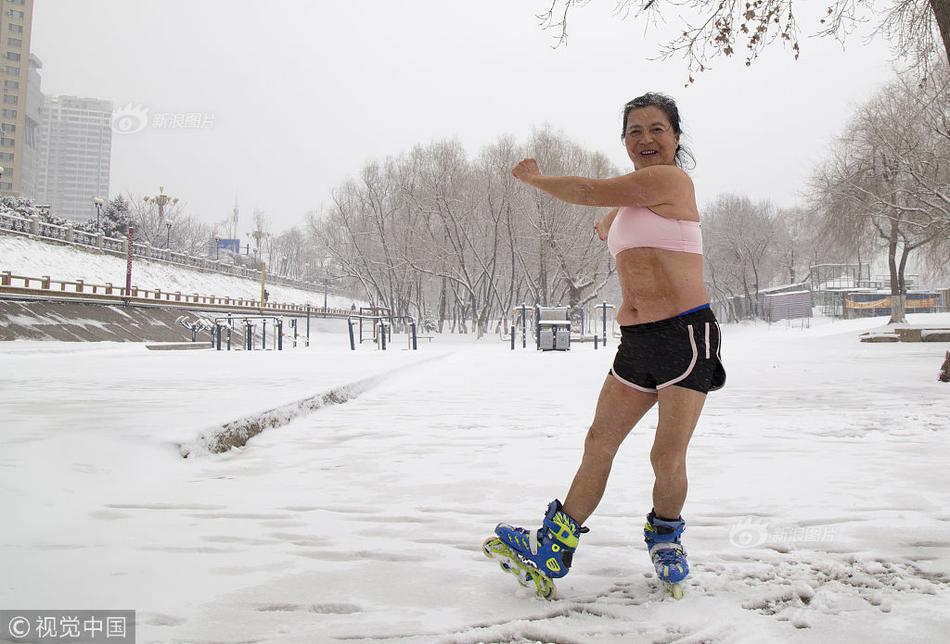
<point>525,170</point>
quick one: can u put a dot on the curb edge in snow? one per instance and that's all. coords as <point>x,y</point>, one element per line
<point>237,433</point>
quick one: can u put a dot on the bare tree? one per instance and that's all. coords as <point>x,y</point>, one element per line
<point>917,28</point>
<point>443,238</point>
<point>888,176</point>
<point>740,239</point>
<point>573,264</point>
<point>794,238</point>
<point>149,226</point>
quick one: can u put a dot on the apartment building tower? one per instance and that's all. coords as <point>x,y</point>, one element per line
<point>16,20</point>
<point>30,166</point>
<point>75,151</point>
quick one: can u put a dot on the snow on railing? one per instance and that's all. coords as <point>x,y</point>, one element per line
<point>19,284</point>
<point>33,227</point>
<point>10,221</point>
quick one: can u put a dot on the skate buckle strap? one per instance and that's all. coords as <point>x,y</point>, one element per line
<point>533,542</point>
<point>564,529</point>
<point>661,551</point>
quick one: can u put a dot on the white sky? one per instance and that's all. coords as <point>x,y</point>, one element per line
<point>303,93</point>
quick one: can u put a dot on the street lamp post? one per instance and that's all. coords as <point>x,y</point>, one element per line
<point>98,201</point>
<point>258,236</point>
<point>326,287</point>
<point>168,234</point>
<point>161,200</point>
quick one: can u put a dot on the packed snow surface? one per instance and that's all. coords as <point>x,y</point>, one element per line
<point>818,511</point>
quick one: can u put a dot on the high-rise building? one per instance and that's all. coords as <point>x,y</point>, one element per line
<point>31,166</point>
<point>75,150</point>
<point>16,19</point>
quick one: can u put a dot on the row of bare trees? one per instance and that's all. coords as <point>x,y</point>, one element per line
<point>458,241</point>
<point>884,189</point>
<point>439,236</point>
<point>887,182</point>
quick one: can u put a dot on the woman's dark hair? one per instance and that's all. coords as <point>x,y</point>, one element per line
<point>668,106</point>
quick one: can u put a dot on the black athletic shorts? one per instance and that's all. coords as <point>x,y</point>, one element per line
<point>682,351</point>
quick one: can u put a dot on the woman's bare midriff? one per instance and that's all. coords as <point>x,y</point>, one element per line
<point>657,284</point>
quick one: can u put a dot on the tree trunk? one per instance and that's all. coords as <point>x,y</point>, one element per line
<point>897,299</point>
<point>941,9</point>
<point>747,304</point>
<point>442,306</point>
<point>901,281</point>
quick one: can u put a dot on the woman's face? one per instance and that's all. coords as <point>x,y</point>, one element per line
<point>649,138</point>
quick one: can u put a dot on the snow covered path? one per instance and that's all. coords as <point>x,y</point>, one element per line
<point>819,507</point>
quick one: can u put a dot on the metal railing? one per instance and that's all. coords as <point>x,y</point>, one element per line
<point>108,293</point>
<point>43,231</point>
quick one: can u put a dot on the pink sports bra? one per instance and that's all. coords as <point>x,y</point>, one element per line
<point>641,227</point>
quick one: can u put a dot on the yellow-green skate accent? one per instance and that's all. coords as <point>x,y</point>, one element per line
<point>675,591</point>
<point>565,534</point>
<point>525,573</point>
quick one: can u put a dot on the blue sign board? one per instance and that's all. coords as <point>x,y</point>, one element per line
<point>233,245</point>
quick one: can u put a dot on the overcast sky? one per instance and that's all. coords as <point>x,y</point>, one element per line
<point>294,96</point>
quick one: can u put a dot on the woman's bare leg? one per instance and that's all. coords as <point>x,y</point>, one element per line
<point>619,408</point>
<point>679,412</point>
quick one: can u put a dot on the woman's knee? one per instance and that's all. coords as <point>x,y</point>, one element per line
<point>667,460</point>
<point>601,443</point>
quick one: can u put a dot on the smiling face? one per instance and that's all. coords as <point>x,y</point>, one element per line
<point>649,138</point>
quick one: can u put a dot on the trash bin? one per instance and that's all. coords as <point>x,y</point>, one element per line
<point>554,331</point>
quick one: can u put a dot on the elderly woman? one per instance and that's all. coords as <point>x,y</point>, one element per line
<point>669,351</point>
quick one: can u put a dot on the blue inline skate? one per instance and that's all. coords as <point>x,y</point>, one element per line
<point>669,558</point>
<point>537,557</point>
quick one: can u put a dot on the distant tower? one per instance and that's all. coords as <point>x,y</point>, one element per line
<point>234,219</point>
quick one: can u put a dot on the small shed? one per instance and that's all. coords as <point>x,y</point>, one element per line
<point>786,306</point>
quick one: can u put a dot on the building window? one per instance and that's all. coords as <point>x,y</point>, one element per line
<point>6,185</point>
<point>12,55</point>
<point>11,84</point>
<point>12,71</point>
<point>19,2</point>
<point>9,114</point>
<point>16,29</point>
<point>6,143</point>
<point>14,13</point>
<point>9,100</point>
<point>9,128</point>
<point>6,156</point>
<point>14,42</point>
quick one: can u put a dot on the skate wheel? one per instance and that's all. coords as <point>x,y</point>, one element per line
<point>548,593</point>
<point>487,547</point>
<point>675,591</point>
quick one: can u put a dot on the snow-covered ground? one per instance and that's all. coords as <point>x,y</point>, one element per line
<point>819,506</point>
<point>31,258</point>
